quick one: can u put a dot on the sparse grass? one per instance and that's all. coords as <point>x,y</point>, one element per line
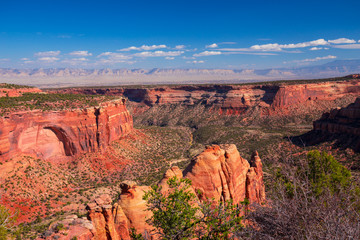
<point>47,102</point>
<point>13,86</point>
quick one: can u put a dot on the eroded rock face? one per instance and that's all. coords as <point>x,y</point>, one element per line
<point>63,134</point>
<point>341,123</point>
<point>342,120</point>
<point>235,99</point>
<point>255,188</point>
<point>219,172</point>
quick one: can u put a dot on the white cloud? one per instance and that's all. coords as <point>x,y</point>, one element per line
<point>112,55</point>
<point>112,58</point>
<point>359,41</point>
<point>80,59</point>
<point>316,59</point>
<point>169,58</point>
<point>316,48</point>
<point>184,57</point>
<point>214,45</point>
<point>48,59</point>
<point>76,61</point>
<point>159,54</point>
<point>4,59</point>
<point>24,59</point>
<point>342,40</point>
<point>144,47</point>
<point>47,54</point>
<point>112,61</point>
<point>280,47</point>
<point>80,53</point>
<point>348,46</point>
<point>207,53</point>
<point>180,46</point>
<point>244,51</point>
<point>196,62</point>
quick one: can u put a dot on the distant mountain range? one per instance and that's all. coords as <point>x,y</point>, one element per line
<point>66,77</point>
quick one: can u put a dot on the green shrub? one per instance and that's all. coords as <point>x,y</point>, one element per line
<point>178,215</point>
<point>325,173</point>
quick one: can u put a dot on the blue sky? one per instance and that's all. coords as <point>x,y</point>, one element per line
<point>177,34</point>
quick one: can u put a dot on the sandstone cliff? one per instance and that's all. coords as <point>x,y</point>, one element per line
<point>63,134</point>
<point>235,99</point>
<point>341,123</point>
<point>219,172</point>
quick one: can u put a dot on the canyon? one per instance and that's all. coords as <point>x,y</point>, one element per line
<point>93,149</point>
<point>235,99</point>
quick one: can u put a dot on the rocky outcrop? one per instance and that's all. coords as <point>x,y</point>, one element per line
<point>235,99</point>
<point>255,188</point>
<point>342,120</point>
<point>63,134</point>
<point>342,124</point>
<point>219,172</point>
<point>16,92</point>
<point>71,227</point>
<point>290,95</point>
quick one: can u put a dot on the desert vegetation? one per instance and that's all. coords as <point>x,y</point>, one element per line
<point>311,194</point>
<point>47,102</point>
<point>310,197</point>
<point>13,86</point>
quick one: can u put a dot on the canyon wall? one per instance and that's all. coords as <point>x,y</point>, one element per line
<point>342,120</point>
<point>234,99</point>
<point>340,123</point>
<point>63,134</point>
<point>219,172</point>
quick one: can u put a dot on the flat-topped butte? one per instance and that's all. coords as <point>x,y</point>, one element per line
<point>50,102</point>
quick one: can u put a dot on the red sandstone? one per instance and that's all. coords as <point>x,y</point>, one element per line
<point>63,134</point>
<point>217,172</point>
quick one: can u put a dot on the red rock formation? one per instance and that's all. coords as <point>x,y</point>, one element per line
<point>63,134</point>
<point>16,92</point>
<point>290,95</point>
<point>342,124</point>
<point>72,227</point>
<point>255,188</point>
<point>135,208</point>
<point>342,120</point>
<point>235,99</point>
<point>219,172</point>
<point>101,215</point>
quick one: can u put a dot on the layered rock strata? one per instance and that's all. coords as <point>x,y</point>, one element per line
<point>63,134</point>
<point>234,99</point>
<point>219,172</point>
<point>341,122</point>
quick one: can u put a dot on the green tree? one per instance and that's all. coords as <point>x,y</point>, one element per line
<point>325,173</point>
<point>179,215</point>
<point>6,222</point>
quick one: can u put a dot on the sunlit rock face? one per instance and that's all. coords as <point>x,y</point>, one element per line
<point>235,99</point>
<point>63,134</point>
<point>219,172</point>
